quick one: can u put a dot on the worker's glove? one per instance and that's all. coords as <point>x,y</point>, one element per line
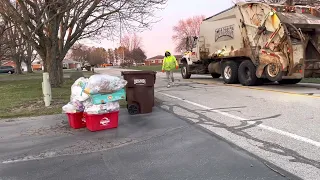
<point>177,67</point>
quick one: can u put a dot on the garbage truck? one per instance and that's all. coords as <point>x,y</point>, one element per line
<point>254,42</point>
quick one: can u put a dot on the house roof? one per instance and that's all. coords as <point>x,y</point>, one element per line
<point>70,61</point>
<point>161,57</point>
<point>178,56</point>
<point>8,63</point>
<point>38,60</point>
<point>156,57</point>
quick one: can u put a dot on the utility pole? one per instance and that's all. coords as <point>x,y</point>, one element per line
<point>121,37</point>
<point>121,41</point>
<point>120,33</point>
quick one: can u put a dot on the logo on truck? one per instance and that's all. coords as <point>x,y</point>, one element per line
<point>224,33</point>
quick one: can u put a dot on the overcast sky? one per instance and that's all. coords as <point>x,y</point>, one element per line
<point>158,39</point>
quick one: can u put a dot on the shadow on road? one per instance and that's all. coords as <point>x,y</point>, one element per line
<point>239,131</point>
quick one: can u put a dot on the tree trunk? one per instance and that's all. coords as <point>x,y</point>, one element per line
<point>28,59</point>
<point>18,67</point>
<point>60,71</point>
<point>45,69</point>
<point>29,66</point>
<point>53,63</point>
<point>52,68</point>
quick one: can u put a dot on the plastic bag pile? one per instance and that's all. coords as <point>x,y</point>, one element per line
<point>83,90</point>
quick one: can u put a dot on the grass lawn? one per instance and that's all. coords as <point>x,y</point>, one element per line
<point>24,98</point>
<point>36,75</point>
<point>311,80</point>
<point>150,68</point>
<point>21,96</point>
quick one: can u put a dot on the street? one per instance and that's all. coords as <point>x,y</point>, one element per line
<point>219,120</point>
<point>199,129</point>
<point>279,124</point>
<point>154,146</point>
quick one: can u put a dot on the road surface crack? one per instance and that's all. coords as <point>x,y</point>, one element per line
<point>239,131</point>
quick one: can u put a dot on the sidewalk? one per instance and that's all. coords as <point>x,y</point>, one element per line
<point>157,146</point>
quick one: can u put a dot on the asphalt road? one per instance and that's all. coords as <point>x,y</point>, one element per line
<point>279,124</point>
<point>158,146</point>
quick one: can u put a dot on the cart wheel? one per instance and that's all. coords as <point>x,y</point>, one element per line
<point>133,109</point>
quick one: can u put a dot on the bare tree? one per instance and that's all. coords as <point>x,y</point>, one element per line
<point>54,26</point>
<point>131,42</point>
<point>185,29</point>
<point>79,53</point>
<point>93,55</point>
<point>138,55</point>
<point>4,44</point>
<point>96,56</point>
<point>111,56</point>
<point>30,56</point>
<point>117,56</point>
<point>15,45</point>
<point>131,45</point>
<point>123,53</point>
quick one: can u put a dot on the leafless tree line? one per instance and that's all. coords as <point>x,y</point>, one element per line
<point>129,52</point>
<point>14,48</point>
<point>52,27</point>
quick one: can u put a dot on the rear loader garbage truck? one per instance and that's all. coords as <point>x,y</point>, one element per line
<point>253,41</point>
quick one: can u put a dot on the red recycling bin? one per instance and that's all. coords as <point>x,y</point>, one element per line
<point>98,122</point>
<point>76,120</point>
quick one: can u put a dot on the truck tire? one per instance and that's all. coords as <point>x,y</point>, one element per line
<point>289,81</point>
<point>185,71</point>
<point>230,72</point>
<point>273,73</point>
<point>215,75</point>
<point>247,73</point>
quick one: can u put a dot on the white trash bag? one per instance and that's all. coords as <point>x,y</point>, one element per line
<point>77,90</point>
<point>102,108</point>
<point>78,94</point>
<point>73,107</point>
<point>103,83</point>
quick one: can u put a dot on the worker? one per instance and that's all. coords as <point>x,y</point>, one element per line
<point>168,65</point>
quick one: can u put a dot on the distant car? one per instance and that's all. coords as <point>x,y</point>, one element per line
<point>7,69</point>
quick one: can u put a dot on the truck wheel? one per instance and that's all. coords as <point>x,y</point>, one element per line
<point>185,71</point>
<point>230,72</point>
<point>247,73</point>
<point>289,81</point>
<point>272,72</point>
<point>215,75</point>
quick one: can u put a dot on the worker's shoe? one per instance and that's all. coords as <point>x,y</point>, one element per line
<point>168,86</point>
